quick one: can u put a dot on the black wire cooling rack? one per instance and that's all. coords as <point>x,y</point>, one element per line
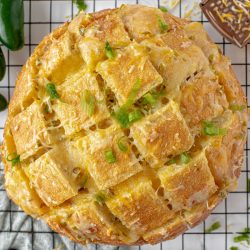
<point>41,17</point>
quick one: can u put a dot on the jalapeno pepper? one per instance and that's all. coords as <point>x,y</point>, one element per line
<point>11,24</point>
<point>3,103</point>
<point>2,64</point>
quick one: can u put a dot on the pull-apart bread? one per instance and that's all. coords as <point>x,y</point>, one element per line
<point>127,126</point>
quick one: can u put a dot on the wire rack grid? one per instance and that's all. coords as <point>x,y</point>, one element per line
<point>41,17</point>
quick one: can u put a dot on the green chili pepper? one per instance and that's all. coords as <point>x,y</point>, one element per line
<point>3,103</point>
<point>2,65</point>
<point>11,24</point>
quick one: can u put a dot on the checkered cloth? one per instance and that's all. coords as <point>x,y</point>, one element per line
<point>20,232</point>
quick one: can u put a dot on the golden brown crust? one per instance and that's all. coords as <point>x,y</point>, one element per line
<point>63,176</point>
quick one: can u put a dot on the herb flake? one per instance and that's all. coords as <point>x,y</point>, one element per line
<point>211,130</point>
<point>81,5</point>
<point>110,156</point>
<point>163,9</point>
<point>109,51</point>
<point>14,158</point>
<point>163,26</point>
<point>216,225</point>
<point>51,89</point>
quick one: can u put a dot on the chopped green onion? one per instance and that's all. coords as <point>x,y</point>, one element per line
<point>14,158</point>
<point>162,25</point>
<point>51,89</point>
<point>171,162</point>
<point>185,158</point>
<point>133,94</point>
<point>88,103</point>
<point>122,114</point>
<point>109,51</point>
<point>109,156</point>
<point>123,144</point>
<point>3,103</point>
<point>235,107</point>
<point>100,197</point>
<point>240,238</point>
<point>149,99</point>
<point>81,5</point>
<point>122,117</point>
<point>234,248</point>
<point>210,129</point>
<point>163,9</point>
<point>248,185</point>
<point>244,236</point>
<point>213,227</point>
<point>134,116</point>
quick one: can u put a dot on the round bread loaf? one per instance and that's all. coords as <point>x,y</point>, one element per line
<point>127,126</point>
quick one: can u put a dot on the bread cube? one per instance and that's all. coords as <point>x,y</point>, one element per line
<point>162,135</point>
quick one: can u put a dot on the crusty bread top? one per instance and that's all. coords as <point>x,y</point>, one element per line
<point>171,174</point>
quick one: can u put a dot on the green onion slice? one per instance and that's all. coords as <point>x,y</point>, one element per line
<point>14,158</point>
<point>163,9</point>
<point>3,103</point>
<point>51,89</point>
<point>240,238</point>
<point>211,130</point>
<point>122,117</point>
<point>134,116</point>
<point>100,197</point>
<point>109,51</point>
<point>234,248</point>
<point>133,94</point>
<point>150,99</point>
<point>123,143</point>
<point>171,162</point>
<point>110,156</point>
<point>184,158</point>
<point>81,5</point>
<point>88,102</point>
<point>162,25</point>
<point>216,225</point>
<point>235,107</point>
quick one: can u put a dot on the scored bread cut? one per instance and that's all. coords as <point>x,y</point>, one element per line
<point>127,126</point>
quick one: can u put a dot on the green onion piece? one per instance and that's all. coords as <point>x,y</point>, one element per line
<point>3,103</point>
<point>109,156</point>
<point>185,158</point>
<point>149,99</point>
<point>162,25</point>
<point>210,129</point>
<point>100,197</point>
<point>123,144</point>
<point>134,116</point>
<point>81,5</point>
<point>171,162</point>
<point>247,230</point>
<point>235,107</point>
<point>109,51</point>
<point>163,9</point>
<point>133,94</point>
<point>234,248</point>
<point>14,158</point>
<point>213,227</point>
<point>240,238</point>
<point>248,185</point>
<point>122,117</point>
<point>88,103</point>
<point>51,89</point>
